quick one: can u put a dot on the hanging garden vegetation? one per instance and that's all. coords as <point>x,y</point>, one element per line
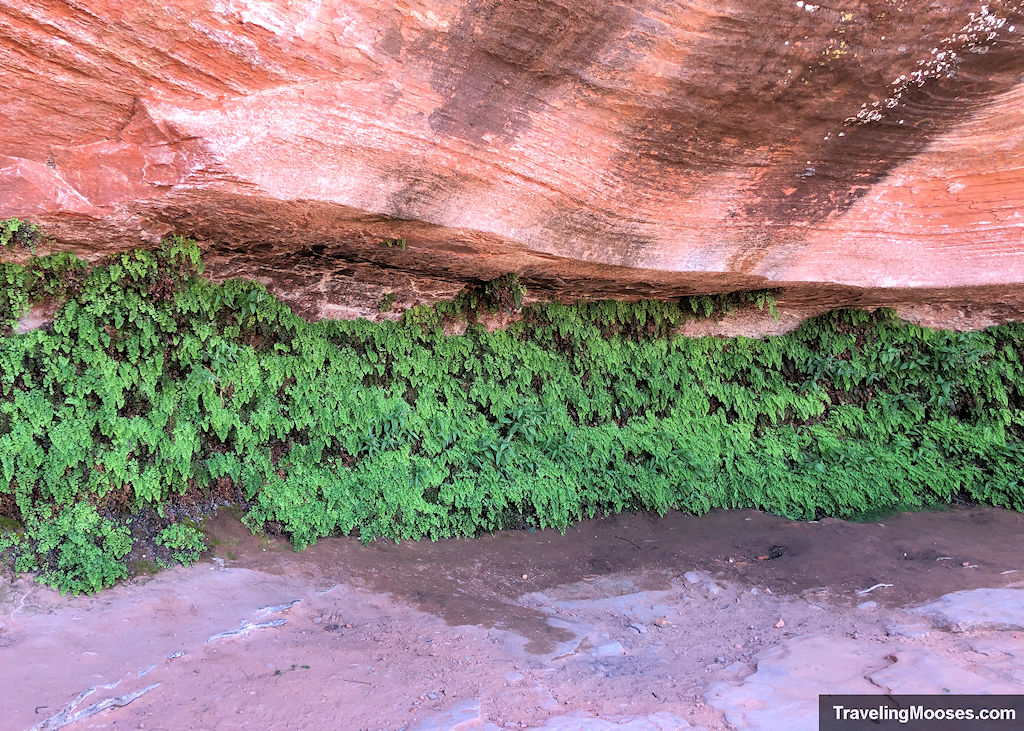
<point>153,383</point>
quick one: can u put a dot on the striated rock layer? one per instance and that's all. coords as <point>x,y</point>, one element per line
<point>864,152</point>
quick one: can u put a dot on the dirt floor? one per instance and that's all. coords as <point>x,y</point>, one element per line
<point>633,621</point>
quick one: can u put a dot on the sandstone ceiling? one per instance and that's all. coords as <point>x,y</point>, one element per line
<point>852,152</point>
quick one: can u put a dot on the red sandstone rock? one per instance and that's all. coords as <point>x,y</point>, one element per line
<point>865,152</point>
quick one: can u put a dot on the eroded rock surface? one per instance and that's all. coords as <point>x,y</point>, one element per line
<point>858,153</point>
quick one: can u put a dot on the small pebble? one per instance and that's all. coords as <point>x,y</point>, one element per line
<point>780,624</point>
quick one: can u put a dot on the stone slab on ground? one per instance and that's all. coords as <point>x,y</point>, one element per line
<point>962,611</point>
<point>782,694</point>
<point>460,717</point>
<point>1004,656</point>
<point>917,671</point>
<point>913,628</point>
<point>467,716</point>
<point>662,721</point>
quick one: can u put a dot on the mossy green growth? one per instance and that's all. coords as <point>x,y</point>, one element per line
<point>154,382</point>
<point>143,567</point>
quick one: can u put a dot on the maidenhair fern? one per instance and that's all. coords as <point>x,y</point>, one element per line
<point>153,382</point>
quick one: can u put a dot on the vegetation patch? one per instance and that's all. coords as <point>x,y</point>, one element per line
<point>155,389</point>
<point>15,233</point>
<point>185,541</point>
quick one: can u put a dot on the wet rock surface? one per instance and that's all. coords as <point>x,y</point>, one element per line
<point>526,630</point>
<point>868,153</point>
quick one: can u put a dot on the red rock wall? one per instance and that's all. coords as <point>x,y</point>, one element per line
<point>864,152</point>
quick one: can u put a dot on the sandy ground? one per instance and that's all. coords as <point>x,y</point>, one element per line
<point>633,621</point>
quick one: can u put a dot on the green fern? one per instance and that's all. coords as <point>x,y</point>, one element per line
<point>153,382</point>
